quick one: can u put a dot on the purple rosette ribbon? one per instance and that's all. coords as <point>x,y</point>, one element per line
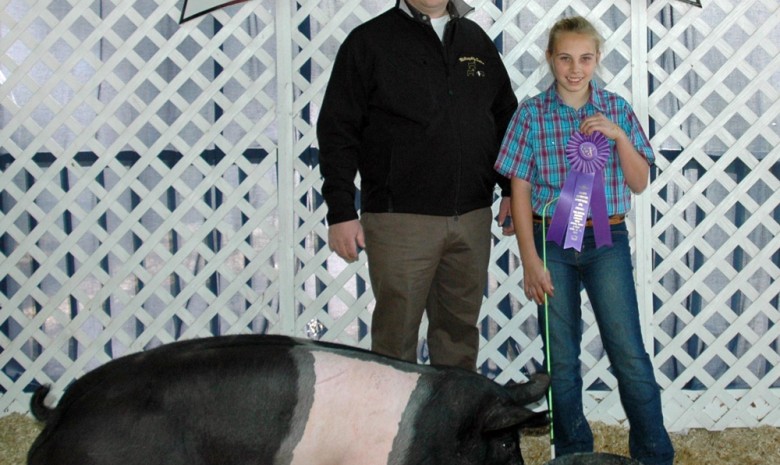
<point>583,192</point>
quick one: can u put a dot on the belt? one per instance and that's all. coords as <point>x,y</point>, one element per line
<point>614,219</point>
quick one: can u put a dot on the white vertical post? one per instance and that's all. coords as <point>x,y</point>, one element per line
<point>285,156</point>
<point>643,239</point>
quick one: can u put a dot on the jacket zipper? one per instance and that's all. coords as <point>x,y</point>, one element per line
<point>448,36</point>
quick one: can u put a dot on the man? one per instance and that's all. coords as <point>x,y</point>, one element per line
<point>417,103</point>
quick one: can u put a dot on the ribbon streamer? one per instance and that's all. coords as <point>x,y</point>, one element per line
<point>583,192</point>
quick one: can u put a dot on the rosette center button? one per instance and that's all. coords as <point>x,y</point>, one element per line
<point>588,150</point>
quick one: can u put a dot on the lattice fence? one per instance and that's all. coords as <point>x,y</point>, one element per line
<point>159,181</point>
<point>714,87</point>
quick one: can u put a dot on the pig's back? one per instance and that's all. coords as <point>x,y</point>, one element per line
<point>356,408</point>
<point>217,401</point>
<point>237,400</point>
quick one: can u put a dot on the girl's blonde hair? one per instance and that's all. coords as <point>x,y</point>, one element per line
<point>576,24</point>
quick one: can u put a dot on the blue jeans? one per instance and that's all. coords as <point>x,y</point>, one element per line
<point>607,275</point>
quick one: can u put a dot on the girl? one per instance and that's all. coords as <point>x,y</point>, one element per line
<point>533,154</point>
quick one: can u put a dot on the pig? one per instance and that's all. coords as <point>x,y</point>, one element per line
<point>279,400</point>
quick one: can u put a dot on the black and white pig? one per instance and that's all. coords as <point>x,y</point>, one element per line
<point>277,400</point>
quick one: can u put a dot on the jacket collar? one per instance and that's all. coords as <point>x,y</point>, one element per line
<point>456,9</point>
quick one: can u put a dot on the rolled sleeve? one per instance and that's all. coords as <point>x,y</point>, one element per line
<point>515,157</point>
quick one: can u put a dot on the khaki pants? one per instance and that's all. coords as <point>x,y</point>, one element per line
<point>432,264</point>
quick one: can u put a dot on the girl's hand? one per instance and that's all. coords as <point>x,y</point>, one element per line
<point>602,124</point>
<point>635,167</point>
<point>536,281</point>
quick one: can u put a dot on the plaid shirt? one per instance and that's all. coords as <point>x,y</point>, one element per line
<point>534,146</point>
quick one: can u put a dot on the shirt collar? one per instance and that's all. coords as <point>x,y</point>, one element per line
<point>553,100</point>
<point>596,98</point>
<point>455,8</point>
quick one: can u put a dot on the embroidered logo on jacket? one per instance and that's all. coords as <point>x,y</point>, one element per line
<point>473,66</point>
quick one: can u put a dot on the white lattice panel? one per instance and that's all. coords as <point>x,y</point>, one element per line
<point>139,184</point>
<point>714,99</point>
<point>160,181</point>
<point>327,290</point>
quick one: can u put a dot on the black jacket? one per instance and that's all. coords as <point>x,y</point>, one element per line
<point>420,120</point>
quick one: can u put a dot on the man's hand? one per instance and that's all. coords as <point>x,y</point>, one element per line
<point>345,238</point>
<point>505,218</point>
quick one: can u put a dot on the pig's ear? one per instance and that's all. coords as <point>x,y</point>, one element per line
<point>537,420</point>
<point>530,391</point>
<point>500,417</point>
